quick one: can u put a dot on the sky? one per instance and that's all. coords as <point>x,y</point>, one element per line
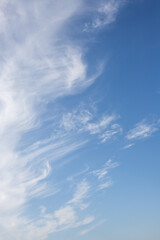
<point>79,120</point>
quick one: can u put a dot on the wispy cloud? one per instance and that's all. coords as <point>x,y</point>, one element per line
<point>84,120</point>
<point>128,146</point>
<point>104,179</point>
<point>80,194</point>
<point>114,130</point>
<point>105,14</point>
<point>91,228</point>
<point>97,127</point>
<point>100,173</point>
<point>71,178</point>
<point>142,130</point>
<point>105,184</point>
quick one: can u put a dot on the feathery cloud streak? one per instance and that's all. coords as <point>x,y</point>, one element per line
<point>142,130</point>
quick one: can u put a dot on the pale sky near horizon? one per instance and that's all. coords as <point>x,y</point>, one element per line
<point>79,120</point>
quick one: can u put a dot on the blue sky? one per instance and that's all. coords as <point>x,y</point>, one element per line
<point>79,120</point>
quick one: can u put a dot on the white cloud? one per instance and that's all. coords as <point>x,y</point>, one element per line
<point>61,219</point>
<point>128,146</point>
<point>106,184</point>
<point>71,178</point>
<point>76,119</point>
<point>142,130</point>
<point>65,215</point>
<point>91,228</point>
<point>110,164</point>
<point>115,129</point>
<point>95,128</point>
<point>80,194</point>
<point>84,121</point>
<point>105,14</point>
<point>102,174</point>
